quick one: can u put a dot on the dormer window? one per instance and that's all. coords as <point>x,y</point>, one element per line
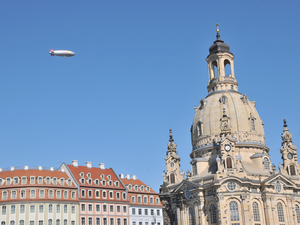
<point>16,180</point>
<point>148,188</point>
<point>109,177</point>
<point>23,180</point>
<point>47,180</point>
<point>90,181</point>
<point>88,175</point>
<point>117,183</point>
<point>142,188</point>
<point>31,180</point>
<point>129,187</point>
<point>82,180</point>
<point>81,174</point>
<point>110,183</point>
<point>102,176</point>
<point>69,182</point>
<point>54,181</point>
<point>135,187</point>
<point>103,183</point>
<point>40,180</point>
<point>61,181</point>
<point>8,181</point>
<point>96,182</point>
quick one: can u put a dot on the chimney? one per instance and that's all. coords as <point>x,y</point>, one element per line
<point>121,176</point>
<point>89,165</point>
<point>51,169</point>
<point>40,168</point>
<point>12,168</point>
<point>127,176</point>
<point>133,177</point>
<point>75,163</point>
<point>101,166</point>
<point>1,170</point>
<point>63,170</point>
<point>25,167</point>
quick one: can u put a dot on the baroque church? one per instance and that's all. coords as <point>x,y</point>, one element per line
<point>232,180</point>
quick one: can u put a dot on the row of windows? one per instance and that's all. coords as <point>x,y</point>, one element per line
<point>41,222</point>
<point>89,221</point>
<point>41,194</point>
<point>89,194</point>
<point>104,208</point>
<point>40,209</point>
<point>146,223</point>
<point>146,212</point>
<point>34,180</point>
<point>97,182</point>
<point>145,200</point>
<point>234,212</point>
<point>102,176</point>
<point>136,188</point>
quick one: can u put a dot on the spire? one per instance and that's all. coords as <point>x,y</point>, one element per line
<point>286,136</point>
<point>219,45</point>
<point>171,145</point>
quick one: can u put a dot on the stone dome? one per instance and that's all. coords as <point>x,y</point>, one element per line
<point>240,115</point>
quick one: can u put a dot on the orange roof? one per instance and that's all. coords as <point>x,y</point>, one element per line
<point>137,182</point>
<point>95,173</point>
<point>33,172</point>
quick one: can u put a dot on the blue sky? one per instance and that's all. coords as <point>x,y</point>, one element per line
<point>139,70</point>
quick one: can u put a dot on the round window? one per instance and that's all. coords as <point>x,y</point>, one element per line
<point>231,186</point>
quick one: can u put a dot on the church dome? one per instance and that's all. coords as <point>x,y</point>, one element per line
<point>241,120</point>
<point>225,110</point>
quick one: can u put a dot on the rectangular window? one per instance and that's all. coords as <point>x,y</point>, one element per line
<point>50,208</point>
<point>90,194</point>
<point>124,221</point>
<point>40,222</point>
<point>90,221</point>
<point>23,180</point>
<point>124,209</point>
<point>32,180</point>
<point>104,208</point>
<point>158,212</point>
<point>32,193</point>
<point>133,211</point>
<point>139,200</point>
<point>97,194</point>
<point>31,222</point>
<point>104,194</point>
<point>13,209</point>
<point>73,195</point>
<point>82,220</point>
<point>54,181</point>
<point>110,194</point>
<point>65,194</point>
<point>22,208</point>
<point>32,209</point>
<point>118,208</point>
<point>13,194</point>
<point>73,209</point>
<point>104,221</point>
<point>4,195</point>
<point>145,200</point>
<point>118,195</point>
<point>65,209</point>
<point>98,208</point>
<point>42,193</point>
<point>57,208</point>
<point>140,223</point>
<point>118,221</point>
<point>40,180</point>
<point>152,212</point>
<point>3,210</point>
<point>41,209</point>
<point>72,222</point>
<point>111,208</point>
<point>90,207</point>
<point>140,211</point>
<point>111,221</point>
<point>146,212</point>
<point>97,221</point>
<point>58,194</point>
<point>82,207</point>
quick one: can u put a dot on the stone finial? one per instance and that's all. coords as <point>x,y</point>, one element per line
<point>171,145</point>
<point>217,25</point>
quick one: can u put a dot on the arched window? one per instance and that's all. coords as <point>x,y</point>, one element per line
<point>252,124</point>
<point>292,170</point>
<point>172,178</point>
<point>215,69</point>
<point>13,209</point>
<point>234,211</point>
<point>280,212</point>
<point>213,214</point>
<point>21,222</point>
<point>256,211</point>
<point>199,128</point>
<point>266,164</point>
<point>57,222</point>
<point>227,67</point>
<point>50,222</point>
<point>12,222</point>
<point>228,163</point>
<point>298,213</point>
<point>191,216</point>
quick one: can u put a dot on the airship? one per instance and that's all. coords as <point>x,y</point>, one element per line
<point>63,53</point>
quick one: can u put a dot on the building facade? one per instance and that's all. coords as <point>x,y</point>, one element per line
<point>145,207</point>
<point>232,180</point>
<point>103,198</point>
<point>37,197</point>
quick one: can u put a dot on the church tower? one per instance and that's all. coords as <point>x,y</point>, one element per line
<point>232,179</point>
<point>173,174</point>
